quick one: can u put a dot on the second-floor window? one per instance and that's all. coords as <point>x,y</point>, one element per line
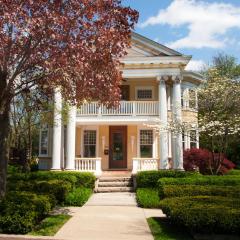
<point>144,93</point>
<point>90,139</point>
<point>192,99</point>
<point>146,143</point>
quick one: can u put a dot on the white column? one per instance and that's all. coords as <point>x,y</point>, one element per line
<point>70,140</point>
<point>177,116</point>
<point>57,131</point>
<point>163,115</point>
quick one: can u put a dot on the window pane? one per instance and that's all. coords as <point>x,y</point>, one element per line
<point>146,151</point>
<point>144,93</point>
<point>89,151</point>
<point>117,146</point>
<point>146,137</point>
<point>192,99</point>
<point>44,142</point>
<point>90,137</point>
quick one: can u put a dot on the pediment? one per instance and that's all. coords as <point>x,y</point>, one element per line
<point>144,47</point>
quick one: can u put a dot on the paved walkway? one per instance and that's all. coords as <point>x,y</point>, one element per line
<point>108,216</point>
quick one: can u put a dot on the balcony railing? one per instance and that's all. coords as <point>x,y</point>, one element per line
<point>125,108</point>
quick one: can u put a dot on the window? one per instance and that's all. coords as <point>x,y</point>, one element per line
<point>146,143</point>
<point>192,99</point>
<point>44,141</point>
<point>193,139</point>
<point>183,141</point>
<point>145,93</point>
<point>89,143</point>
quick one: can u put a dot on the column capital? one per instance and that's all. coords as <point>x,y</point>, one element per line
<point>177,78</point>
<point>162,78</point>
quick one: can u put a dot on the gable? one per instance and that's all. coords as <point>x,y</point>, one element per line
<point>144,47</point>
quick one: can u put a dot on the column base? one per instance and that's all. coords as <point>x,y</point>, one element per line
<point>55,170</point>
<point>69,169</point>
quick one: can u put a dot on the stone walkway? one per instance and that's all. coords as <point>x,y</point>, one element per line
<point>108,216</point>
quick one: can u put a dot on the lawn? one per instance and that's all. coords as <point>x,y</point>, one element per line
<point>50,225</point>
<point>163,230</point>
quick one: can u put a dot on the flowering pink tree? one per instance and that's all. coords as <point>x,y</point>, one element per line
<point>71,44</point>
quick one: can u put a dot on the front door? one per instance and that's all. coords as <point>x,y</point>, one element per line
<point>118,147</point>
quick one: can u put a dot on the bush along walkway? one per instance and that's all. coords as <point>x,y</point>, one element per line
<point>107,216</point>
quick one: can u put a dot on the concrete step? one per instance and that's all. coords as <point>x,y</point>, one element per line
<point>115,179</point>
<point>113,189</point>
<point>115,184</point>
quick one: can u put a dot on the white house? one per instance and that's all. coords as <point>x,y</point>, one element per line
<point>99,139</point>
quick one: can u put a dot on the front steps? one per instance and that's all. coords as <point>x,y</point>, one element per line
<point>114,184</point>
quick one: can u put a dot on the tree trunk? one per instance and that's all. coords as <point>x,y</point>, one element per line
<point>4,150</point>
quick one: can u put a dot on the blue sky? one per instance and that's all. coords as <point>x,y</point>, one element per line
<point>201,28</point>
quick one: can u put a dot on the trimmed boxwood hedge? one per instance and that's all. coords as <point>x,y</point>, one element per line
<point>167,191</point>
<point>20,211</point>
<point>75,178</point>
<point>149,179</point>
<point>201,180</point>
<point>204,214</point>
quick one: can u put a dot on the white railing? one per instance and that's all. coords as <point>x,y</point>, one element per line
<point>126,108</point>
<point>144,164</point>
<point>88,165</point>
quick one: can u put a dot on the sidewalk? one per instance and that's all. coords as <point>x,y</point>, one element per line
<point>108,216</point>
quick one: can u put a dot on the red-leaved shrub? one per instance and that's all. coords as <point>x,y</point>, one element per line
<point>206,161</point>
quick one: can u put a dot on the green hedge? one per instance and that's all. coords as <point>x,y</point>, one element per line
<point>147,198</point>
<point>201,180</point>
<point>167,191</point>
<point>233,172</point>
<point>20,212</point>
<point>75,178</point>
<point>149,179</point>
<point>55,188</point>
<point>78,197</point>
<point>204,214</point>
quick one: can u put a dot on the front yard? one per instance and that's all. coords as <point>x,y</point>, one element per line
<point>193,203</point>
<point>31,197</point>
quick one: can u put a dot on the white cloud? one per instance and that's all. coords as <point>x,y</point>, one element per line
<point>196,65</point>
<point>207,23</point>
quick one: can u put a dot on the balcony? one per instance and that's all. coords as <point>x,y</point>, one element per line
<point>125,108</point>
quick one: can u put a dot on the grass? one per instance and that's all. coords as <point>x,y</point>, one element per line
<point>50,225</point>
<point>147,197</point>
<point>162,229</point>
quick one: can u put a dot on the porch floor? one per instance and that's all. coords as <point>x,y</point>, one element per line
<point>116,173</point>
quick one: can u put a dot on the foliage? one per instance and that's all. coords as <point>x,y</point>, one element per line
<point>205,214</point>
<point>75,178</point>
<point>219,114</point>
<point>149,178</point>
<point>78,197</point>
<point>69,46</point>
<point>162,229</point>
<point>50,225</point>
<point>234,172</point>
<point>197,190</point>
<point>204,160</point>
<point>201,180</point>
<point>20,211</point>
<point>147,197</point>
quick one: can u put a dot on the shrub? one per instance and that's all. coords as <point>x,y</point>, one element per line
<point>21,211</point>
<point>59,189</point>
<point>200,180</point>
<point>75,178</point>
<point>196,190</point>
<point>234,172</point>
<point>203,159</point>
<point>204,214</point>
<point>149,178</point>
<point>78,196</point>
<point>147,197</point>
